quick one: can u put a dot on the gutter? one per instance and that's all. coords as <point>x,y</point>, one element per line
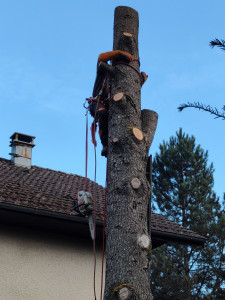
<point>65,224</point>
<point>173,237</point>
<point>161,236</point>
<point>46,213</point>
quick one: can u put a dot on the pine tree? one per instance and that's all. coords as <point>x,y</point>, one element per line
<point>183,192</point>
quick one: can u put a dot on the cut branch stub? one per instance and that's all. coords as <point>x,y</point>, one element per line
<point>149,119</point>
<point>144,241</point>
<point>118,96</point>
<point>124,294</point>
<point>138,134</point>
<point>127,34</point>
<point>135,183</point>
<point>115,140</point>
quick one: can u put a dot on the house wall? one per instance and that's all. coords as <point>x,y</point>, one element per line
<point>37,265</point>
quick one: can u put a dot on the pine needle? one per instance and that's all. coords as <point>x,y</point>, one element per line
<point>218,43</point>
<point>212,110</point>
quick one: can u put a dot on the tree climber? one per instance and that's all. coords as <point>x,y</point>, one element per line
<point>99,102</point>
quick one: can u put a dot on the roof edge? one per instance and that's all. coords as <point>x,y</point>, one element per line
<point>172,237</point>
<point>45,213</point>
<point>163,236</point>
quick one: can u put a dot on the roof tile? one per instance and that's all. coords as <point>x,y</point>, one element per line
<point>50,190</point>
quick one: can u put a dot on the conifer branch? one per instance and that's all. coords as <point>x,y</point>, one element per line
<point>218,43</point>
<point>212,110</point>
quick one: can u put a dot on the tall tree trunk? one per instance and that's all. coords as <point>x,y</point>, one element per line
<point>188,286</point>
<point>130,133</point>
<point>186,258</point>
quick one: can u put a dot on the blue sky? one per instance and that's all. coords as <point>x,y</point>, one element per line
<point>48,54</point>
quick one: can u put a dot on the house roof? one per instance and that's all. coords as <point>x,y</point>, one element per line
<point>47,191</point>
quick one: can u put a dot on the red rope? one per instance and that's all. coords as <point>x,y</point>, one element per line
<point>94,221</point>
<point>103,234</point>
<point>94,204</point>
<point>93,130</point>
<point>86,154</point>
<point>104,219</point>
<point>136,70</point>
<point>138,60</point>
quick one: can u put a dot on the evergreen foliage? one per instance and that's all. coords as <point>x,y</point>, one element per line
<point>212,110</point>
<point>183,192</point>
<point>217,43</point>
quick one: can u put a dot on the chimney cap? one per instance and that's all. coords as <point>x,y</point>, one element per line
<point>22,138</point>
<point>22,145</point>
<point>21,134</point>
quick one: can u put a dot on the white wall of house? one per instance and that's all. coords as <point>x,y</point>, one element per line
<point>36,265</point>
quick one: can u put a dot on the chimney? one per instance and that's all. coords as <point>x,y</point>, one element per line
<point>21,152</point>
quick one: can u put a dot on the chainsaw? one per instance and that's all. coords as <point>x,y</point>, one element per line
<point>83,205</point>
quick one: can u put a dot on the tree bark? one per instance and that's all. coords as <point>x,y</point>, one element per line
<point>130,134</point>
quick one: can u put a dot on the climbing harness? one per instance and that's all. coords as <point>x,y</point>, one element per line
<point>98,108</point>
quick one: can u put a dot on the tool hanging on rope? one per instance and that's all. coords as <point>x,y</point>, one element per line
<point>83,205</point>
<point>83,202</point>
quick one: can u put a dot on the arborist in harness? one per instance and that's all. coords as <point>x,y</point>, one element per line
<point>99,102</point>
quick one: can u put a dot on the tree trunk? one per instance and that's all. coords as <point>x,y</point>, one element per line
<point>130,133</point>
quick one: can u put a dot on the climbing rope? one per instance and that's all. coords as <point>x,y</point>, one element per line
<point>86,152</point>
<point>142,75</point>
<point>93,131</point>
<point>94,222</point>
<point>94,201</point>
<point>103,232</point>
<point>85,188</point>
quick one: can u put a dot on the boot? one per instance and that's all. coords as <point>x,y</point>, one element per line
<point>104,151</point>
